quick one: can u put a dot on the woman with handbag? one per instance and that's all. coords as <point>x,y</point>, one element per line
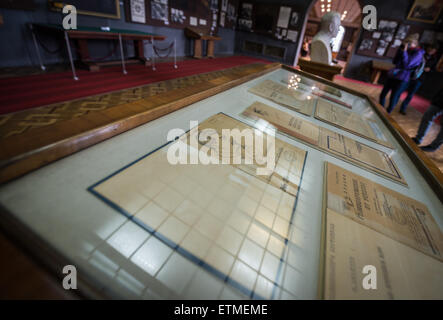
<point>407,59</point>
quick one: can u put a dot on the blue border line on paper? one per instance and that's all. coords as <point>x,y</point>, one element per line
<point>250,293</point>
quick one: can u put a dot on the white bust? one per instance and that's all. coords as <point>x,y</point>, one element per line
<point>321,43</point>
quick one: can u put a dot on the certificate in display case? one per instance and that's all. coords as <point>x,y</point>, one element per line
<point>340,196</point>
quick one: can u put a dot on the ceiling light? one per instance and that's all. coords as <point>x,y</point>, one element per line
<point>345,12</point>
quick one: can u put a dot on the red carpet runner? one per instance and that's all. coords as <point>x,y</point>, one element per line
<point>38,90</point>
<point>27,92</point>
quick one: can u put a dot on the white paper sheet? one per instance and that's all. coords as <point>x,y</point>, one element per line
<point>283,17</point>
<point>138,13</point>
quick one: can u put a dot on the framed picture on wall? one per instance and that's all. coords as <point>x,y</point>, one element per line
<point>387,26</point>
<point>138,12</point>
<point>103,8</point>
<point>245,25</point>
<point>382,46</point>
<point>402,31</point>
<point>294,19</point>
<point>245,20</point>
<point>366,45</point>
<point>425,10</point>
<point>376,35</point>
<point>177,16</point>
<point>159,10</point>
<point>246,11</point>
<point>18,4</point>
<point>224,5</point>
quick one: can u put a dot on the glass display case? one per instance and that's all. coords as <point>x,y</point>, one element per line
<point>346,190</point>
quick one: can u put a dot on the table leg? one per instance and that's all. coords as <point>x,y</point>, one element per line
<point>83,51</point>
<point>140,51</point>
<point>197,49</point>
<point>375,76</point>
<point>210,49</point>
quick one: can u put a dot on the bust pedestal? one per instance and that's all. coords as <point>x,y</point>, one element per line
<point>323,70</point>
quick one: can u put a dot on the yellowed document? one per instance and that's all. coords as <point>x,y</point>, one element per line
<point>350,121</point>
<point>359,153</point>
<point>299,101</point>
<point>336,144</point>
<point>354,251</point>
<point>288,163</point>
<point>210,213</point>
<point>384,210</point>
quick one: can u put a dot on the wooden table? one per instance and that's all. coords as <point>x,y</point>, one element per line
<point>198,35</point>
<point>81,35</point>
<point>377,67</point>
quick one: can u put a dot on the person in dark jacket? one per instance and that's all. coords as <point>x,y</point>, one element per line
<point>305,48</point>
<point>430,59</point>
<point>434,110</point>
<point>408,57</point>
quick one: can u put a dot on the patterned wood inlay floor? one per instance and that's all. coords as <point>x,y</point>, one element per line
<point>23,121</point>
<point>409,123</point>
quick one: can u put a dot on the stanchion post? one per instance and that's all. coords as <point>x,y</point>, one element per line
<point>175,55</point>
<point>36,48</point>
<point>68,46</point>
<point>153,54</point>
<point>121,53</point>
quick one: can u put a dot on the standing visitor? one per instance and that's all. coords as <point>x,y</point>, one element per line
<point>434,110</point>
<point>408,57</point>
<point>429,64</point>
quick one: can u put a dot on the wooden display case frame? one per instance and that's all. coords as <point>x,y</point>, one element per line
<point>32,150</point>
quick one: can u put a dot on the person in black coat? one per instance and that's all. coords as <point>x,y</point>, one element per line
<point>434,110</point>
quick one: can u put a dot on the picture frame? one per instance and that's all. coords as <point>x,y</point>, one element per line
<point>426,11</point>
<point>116,14</point>
<point>137,11</point>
